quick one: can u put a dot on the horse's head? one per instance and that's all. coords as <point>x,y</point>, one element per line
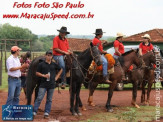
<point>150,58</point>
<point>95,54</point>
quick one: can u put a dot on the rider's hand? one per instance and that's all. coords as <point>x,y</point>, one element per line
<point>67,53</point>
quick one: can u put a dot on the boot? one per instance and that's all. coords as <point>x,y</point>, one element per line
<point>106,79</point>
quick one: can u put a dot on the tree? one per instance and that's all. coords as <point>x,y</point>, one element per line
<point>13,32</point>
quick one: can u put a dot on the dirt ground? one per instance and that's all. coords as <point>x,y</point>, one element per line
<point>60,105</point>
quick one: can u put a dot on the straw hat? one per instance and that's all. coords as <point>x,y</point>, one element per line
<point>120,35</point>
<point>146,36</point>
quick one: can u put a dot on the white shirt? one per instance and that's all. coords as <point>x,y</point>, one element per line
<point>11,63</point>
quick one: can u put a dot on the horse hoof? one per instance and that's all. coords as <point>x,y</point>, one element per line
<point>137,106</point>
<point>110,110</point>
<point>83,108</point>
<point>80,114</point>
<point>74,114</point>
<point>92,104</point>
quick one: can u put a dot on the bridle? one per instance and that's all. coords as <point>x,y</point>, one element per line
<point>80,67</point>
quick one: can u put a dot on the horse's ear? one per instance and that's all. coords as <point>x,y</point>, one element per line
<point>91,44</point>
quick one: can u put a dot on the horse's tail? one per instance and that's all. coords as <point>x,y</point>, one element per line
<point>32,79</point>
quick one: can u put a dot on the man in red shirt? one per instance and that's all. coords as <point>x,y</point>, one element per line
<point>61,48</point>
<point>96,41</point>
<point>145,46</point>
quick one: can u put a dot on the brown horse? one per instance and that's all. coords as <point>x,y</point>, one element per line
<point>126,60</point>
<point>139,76</point>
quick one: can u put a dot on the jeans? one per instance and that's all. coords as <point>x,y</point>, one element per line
<point>105,65</point>
<point>39,98</point>
<point>14,87</point>
<point>61,63</point>
<point>115,56</point>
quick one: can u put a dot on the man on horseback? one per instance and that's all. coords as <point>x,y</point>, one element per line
<point>119,50</point>
<point>96,41</point>
<point>61,48</point>
<point>146,45</point>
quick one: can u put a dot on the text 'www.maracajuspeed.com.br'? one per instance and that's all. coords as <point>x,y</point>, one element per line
<point>52,16</point>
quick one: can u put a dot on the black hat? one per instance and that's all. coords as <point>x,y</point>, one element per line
<point>99,31</point>
<point>49,52</point>
<point>63,30</point>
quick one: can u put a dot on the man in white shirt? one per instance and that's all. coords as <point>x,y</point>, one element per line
<point>14,82</point>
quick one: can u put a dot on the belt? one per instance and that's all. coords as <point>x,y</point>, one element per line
<point>13,77</point>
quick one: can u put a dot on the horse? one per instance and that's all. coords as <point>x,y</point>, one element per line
<point>137,76</point>
<point>126,60</point>
<point>79,69</point>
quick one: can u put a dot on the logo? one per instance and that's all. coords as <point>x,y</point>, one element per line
<point>17,112</point>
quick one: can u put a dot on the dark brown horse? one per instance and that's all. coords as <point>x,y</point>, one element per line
<point>141,75</point>
<point>80,67</point>
<point>127,59</point>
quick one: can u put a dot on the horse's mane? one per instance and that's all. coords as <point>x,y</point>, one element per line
<point>83,53</point>
<point>128,52</point>
<point>121,58</point>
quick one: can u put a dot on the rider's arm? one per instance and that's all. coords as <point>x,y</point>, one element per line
<point>60,51</point>
<point>140,51</point>
<point>116,51</point>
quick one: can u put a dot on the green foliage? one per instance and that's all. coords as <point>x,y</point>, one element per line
<point>45,43</point>
<point>129,116</point>
<point>111,39</point>
<point>13,32</point>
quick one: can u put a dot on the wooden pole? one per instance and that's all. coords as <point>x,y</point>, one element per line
<point>5,56</point>
<point>1,65</point>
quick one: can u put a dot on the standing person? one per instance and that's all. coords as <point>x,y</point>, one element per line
<point>60,49</point>
<point>146,45</point>
<point>14,82</point>
<point>96,41</point>
<point>119,50</point>
<point>46,70</point>
<point>24,59</point>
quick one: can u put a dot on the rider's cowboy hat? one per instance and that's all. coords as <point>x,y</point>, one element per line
<point>63,30</point>
<point>99,31</point>
<point>120,35</point>
<point>146,36</point>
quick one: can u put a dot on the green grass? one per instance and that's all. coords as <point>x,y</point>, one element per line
<point>145,113</point>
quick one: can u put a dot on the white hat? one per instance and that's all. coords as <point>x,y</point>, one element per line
<point>120,35</point>
<point>146,36</point>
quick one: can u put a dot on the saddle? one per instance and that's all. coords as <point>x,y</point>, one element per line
<point>98,69</point>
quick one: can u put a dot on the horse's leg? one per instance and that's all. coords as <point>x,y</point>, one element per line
<point>134,93</point>
<point>151,80</point>
<point>110,94</point>
<point>77,100</point>
<point>81,105</point>
<point>143,92</point>
<point>92,87</point>
<point>72,95</point>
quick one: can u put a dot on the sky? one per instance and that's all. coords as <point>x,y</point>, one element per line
<point>126,16</point>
